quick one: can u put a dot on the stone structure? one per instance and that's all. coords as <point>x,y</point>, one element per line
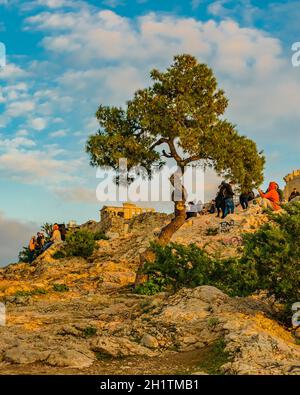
<point>292,181</point>
<point>128,211</point>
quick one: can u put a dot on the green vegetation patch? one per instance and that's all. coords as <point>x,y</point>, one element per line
<point>214,357</point>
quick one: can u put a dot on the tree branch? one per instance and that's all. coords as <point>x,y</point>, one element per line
<point>165,154</point>
<point>160,141</point>
<point>174,153</point>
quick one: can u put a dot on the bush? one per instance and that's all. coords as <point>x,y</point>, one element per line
<point>24,255</point>
<point>154,285</point>
<point>178,266</point>
<point>59,255</point>
<point>270,261</point>
<point>212,231</point>
<point>274,253</point>
<point>100,236</point>
<point>89,331</point>
<point>80,243</point>
<point>37,291</point>
<point>60,288</point>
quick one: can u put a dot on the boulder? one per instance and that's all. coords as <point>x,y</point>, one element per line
<point>119,347</point>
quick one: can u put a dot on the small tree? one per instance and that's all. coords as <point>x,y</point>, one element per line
<point>80,243</point>
<point>181,113</point>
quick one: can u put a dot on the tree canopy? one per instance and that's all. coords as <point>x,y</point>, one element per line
<point>182,111</point>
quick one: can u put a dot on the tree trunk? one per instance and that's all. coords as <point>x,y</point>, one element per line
<point>167,232</point>
<point>176,223</point>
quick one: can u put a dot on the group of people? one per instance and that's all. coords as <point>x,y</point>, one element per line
<point>224,203</point>
<point>39,243</point>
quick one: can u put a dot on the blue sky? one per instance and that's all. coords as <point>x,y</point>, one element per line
<point>65,57</point>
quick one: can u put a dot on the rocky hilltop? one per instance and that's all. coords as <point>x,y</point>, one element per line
<point>80,316</point>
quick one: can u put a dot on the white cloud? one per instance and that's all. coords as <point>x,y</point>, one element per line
<point>12,72</point>
<point>22,132</point>
<point>18,108</point>
<point>13,236</point>
<point>38,123</point>
<point>16,142</point>
<point>78,194</point>
<point>59,133</point>
<point>248,63</point>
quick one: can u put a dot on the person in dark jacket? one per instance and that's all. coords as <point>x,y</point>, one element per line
<point>228,198</point>
<point>244,200</point>
<point>219,201</point>
<point>294,194</point>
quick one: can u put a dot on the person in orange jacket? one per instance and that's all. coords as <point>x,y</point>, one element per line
<point>270,199</point>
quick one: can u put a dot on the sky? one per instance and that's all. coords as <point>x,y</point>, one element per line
<point>66,57</point>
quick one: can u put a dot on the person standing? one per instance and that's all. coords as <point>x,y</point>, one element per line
<point>294,194</point>
<point>244,200</point>
<point>219,200</point>
<point>228,198</point>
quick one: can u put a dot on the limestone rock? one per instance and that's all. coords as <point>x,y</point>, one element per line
<point>25,354</point>
<point>69,358</point>
<point>149,341</point>
<point>119,347</point>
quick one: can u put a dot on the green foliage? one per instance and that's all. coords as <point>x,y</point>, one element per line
<point>80,243</point>
<point>178,266</point>
<point>212,322</point>
<point>47,229</point>
<point>183,108</point>
<point>100,236</point>
<point>59,255</point>
<point>274,253</point>
<point>90,331</point>
<point>60,288</point>
<point>214,358</point>
<point>154,285</point>
<point>270,262</point>
<point>37,291</point>
<point>212,231</point>
<point>24,255</point>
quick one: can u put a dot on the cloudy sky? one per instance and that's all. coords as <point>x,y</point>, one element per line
<point>65,57</point>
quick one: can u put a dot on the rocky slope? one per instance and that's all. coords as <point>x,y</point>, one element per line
<point>80,316</point>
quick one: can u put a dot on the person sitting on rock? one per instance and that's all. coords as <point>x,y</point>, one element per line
<point>55,238</point>
<point>294,194</point>
<point>192,212</point>
<point>40,241</point>
<point>270,199</point>
<point>31,248</point>
<point>212,208</point>
<point>56,235</point>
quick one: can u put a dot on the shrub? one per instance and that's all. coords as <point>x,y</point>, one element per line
<point>60,288</point>
<point>100,236</point>
<point>154,285</point>
<point>24,255</point>
<point>37,291</point>
<point>274,253</point>
<point>212,231</point>
<point>270,261</point>
<point>178,266</point>
<point>59,255</point>
<point>80,243</point>
<point>89,331</point>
